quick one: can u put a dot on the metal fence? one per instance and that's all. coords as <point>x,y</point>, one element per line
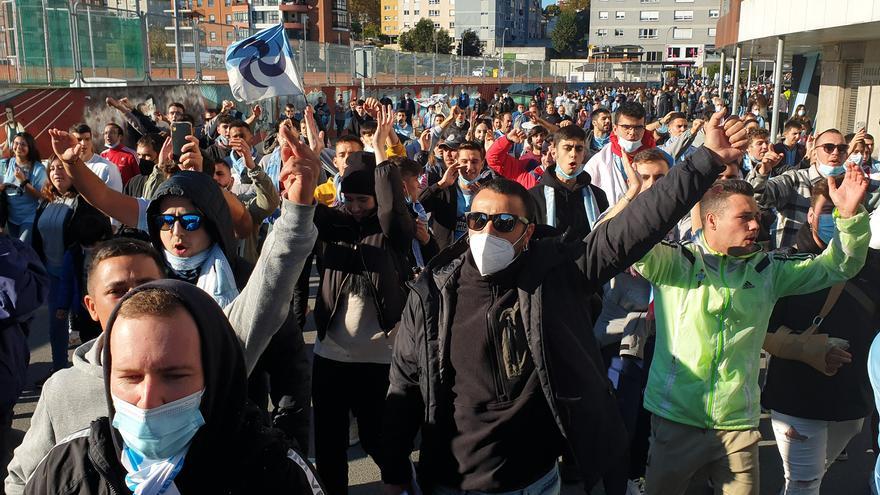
<point>56,43</point>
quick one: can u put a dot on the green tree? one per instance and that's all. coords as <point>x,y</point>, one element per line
<point>576,5</point>
<point>470,44</point>
<point>565,34</point>
<point>365,11</point>
<point>425,39</point>
<point>372,31</point>
<point>357,30</point>
<point>551,10</point>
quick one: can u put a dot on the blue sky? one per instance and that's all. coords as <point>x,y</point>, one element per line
<point>545,3</point>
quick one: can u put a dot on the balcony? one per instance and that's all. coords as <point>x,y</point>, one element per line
<point>293,25</point>
<point>296,6</point>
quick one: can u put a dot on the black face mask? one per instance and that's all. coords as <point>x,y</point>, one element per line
<point>146,166</point>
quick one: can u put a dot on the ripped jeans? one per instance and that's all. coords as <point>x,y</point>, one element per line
<point>808,448</point>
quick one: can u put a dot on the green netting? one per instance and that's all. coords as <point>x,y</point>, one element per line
<point>110,42</point>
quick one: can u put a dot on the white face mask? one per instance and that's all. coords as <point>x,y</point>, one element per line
<point>491,253</point>
<point>801,113</point>
<point>627,145</point>
<point>855,158</point>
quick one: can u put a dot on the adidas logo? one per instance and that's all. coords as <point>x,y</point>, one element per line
<point>748,285</point>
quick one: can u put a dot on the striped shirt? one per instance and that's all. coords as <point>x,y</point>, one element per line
<point>789,194</point>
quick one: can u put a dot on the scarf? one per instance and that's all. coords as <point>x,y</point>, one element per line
<point>209,271</point>
<point>648,141</point>
<point>600,143</point>
<point>273,167</point>
<point>416,245</point>
<point>151,476</point>
<point>590,206</point>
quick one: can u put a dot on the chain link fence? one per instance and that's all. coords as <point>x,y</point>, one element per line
<point>59,43</point>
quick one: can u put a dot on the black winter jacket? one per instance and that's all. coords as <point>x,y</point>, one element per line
<point>797,389</point>
<point>377,247</point>
<point>551,292</point>
<point>84,221</point>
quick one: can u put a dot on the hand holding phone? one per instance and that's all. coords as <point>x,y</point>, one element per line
<point>179,132</point>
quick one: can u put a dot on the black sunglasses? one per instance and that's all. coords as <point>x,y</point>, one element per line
<point>503,222</point>
<point>842,149</point>
<point>189,221</point>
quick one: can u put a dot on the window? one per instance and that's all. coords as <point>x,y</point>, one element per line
<point>711,32</point>
<point>684,15</point>
<point>653,56</point>
<point>651,1</point>
<point>211,18</point>
<point>673,52</point>
<point>452,13</point>
<point>227,3</point>
<point>601,32</point>
<point>405,25</point>
<point>682,33</point>
<point>340,20</point>
<point>416,12</point>
<point>618,32</point>
<point>387,7</point>
<point>620,15</point>
<point>692,52</point>
<point>713,13</point>
<point>433,13</point>
<point>387,17</point>
<point>213,36</point>
<point>210,3</point>
<point>645,34</point>
<point>451,25</point>
<point>198,3</point>
<point>684,1</point>
<point>436,25</point>
<point>228,18</point>
<point>649,16</point>
<point>243,17</point>
<point>433,2</point>
<point>603,15</point>
<point>405,12</point>
<point>230,36</point>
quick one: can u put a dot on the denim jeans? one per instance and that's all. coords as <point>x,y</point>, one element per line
<point>808,448</point>
<point>549,484</point>
<point>58,327</point>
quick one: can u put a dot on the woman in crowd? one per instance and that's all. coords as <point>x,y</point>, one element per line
<point>64,223</point>
<point>23,179</point>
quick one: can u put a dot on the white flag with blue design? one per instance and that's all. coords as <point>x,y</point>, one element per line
<point>261,66</point>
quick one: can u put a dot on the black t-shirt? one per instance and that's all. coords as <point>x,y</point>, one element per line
<point>498,433</point>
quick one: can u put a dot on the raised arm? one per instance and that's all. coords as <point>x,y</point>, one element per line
<point>110,202</point>
<point>626,238</point>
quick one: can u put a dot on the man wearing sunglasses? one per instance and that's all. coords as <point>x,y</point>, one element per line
<point>495,360</point>
<point>73,397</point>
<point>789,193</point>
<point>606,167</point>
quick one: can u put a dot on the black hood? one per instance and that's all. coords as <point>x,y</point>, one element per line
<point>207,196</point>
<point>223,404</point>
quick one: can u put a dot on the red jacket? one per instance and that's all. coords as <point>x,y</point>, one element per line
<point>125,160</point>
<point>522,170</point>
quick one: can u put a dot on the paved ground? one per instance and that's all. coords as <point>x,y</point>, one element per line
<point>850,477</point>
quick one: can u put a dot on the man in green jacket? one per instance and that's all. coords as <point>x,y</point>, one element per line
<point>713,299</point>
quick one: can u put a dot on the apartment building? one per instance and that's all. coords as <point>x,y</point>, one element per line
<point>654,30</point>
<point>500,22</point>
<point>390,18</point>
<point>440,12</point>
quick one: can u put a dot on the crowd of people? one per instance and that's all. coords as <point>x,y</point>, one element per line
<point>531,289</point>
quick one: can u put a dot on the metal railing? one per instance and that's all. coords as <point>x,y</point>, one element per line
<point>54,43</point>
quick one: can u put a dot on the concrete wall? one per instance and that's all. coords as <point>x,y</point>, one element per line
<point>780,17</point>
<point>834,97</point>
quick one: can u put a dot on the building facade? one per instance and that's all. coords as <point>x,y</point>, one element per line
<point>440,12</point>
<point>655,30</point>
<point>500,23</point>
<point>390,21</point>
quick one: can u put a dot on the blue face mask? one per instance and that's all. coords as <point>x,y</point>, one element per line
<point>826,229</point>
<point>563,175</point>
<point>161,432</point>
<point>830,170</point>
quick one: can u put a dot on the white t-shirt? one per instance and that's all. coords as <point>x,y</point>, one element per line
<point>106,170</point>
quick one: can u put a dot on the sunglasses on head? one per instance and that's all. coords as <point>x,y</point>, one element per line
<point>503,222</point>
<point>842,149</point>
<point>189,221</point>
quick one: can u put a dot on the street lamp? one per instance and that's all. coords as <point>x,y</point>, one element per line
<point>501,55</point>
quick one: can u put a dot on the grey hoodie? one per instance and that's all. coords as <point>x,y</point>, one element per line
<point>72,398</point>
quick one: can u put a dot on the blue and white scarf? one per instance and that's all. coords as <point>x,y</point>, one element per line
<point>151,476</point>
<point>211,270</point>
<point>590,206</point>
